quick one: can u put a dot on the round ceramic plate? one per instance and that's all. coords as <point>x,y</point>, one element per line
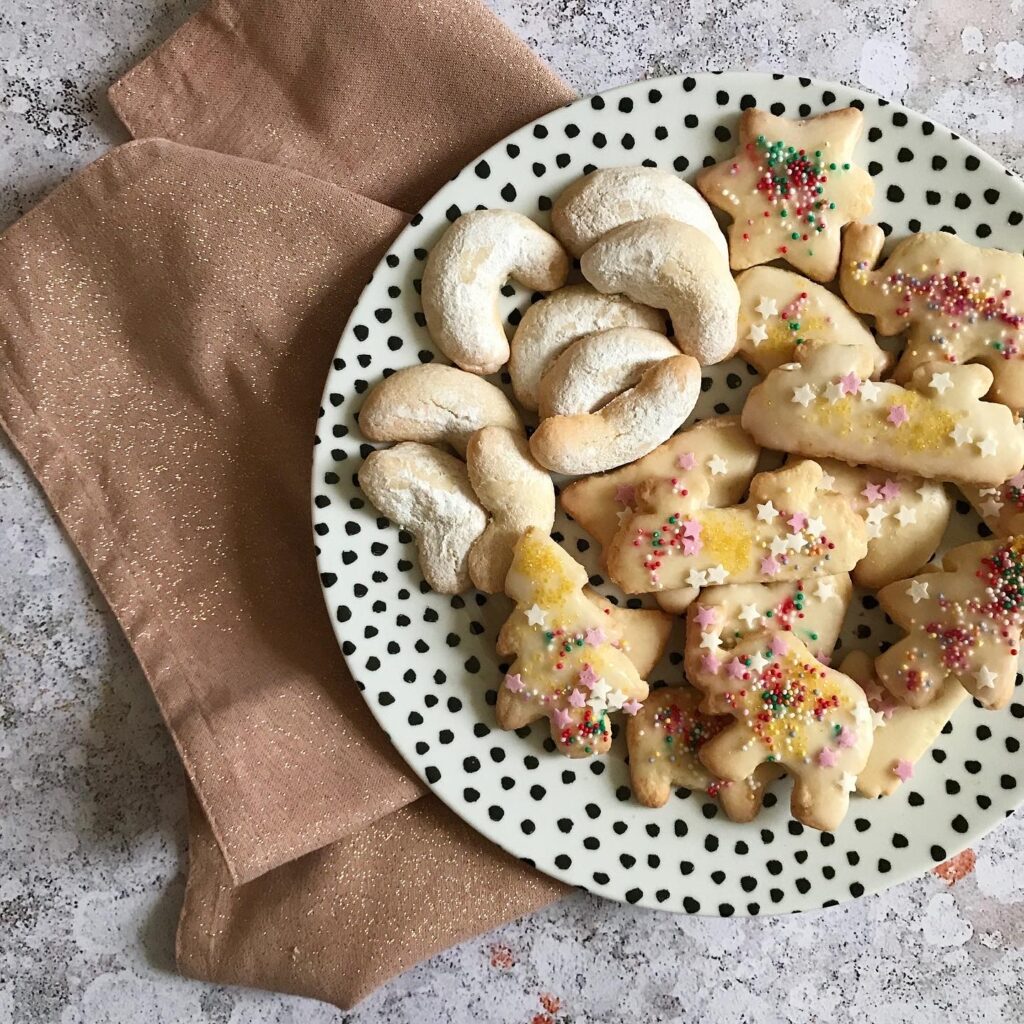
<point>426,663</point>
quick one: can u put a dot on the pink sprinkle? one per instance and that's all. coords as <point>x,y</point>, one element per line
<point>576,698</point>
<point>898,414</point>
<point>769,566</point>
<point>847,738</point>
<point>1018,480</point>
<point>850,383</point>
<point>903,770</point>
<point>687,460</point>
<point>736,668</point>
<point>588,677</point>
<point>595,637</point>
<point>515,683</point>
<point>779,645</point>
<point>710,663</point>
<point>691,528</point>
<point>797,521</point>
<point>827,757</point>
<point>562,718</point>
<point>632,706</point>
<point>890,490</point>
<point>872,492</point>
<point>824,657</point>
<point>691,546</point>
<point>625,494</point>
<point>706,615</point>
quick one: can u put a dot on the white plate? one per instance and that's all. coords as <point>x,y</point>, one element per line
<point>426,663</point>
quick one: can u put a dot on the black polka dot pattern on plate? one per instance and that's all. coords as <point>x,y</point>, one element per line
<point>426,663</point>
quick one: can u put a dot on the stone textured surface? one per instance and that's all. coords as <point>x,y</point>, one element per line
<point>91,807</point>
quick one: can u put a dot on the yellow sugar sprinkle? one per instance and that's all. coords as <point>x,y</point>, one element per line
<point>726,538</point>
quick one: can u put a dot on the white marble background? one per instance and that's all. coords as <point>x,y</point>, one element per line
<point>91,806</point>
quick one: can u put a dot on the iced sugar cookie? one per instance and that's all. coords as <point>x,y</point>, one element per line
<point>1001,507</point>
<point>790,189</point>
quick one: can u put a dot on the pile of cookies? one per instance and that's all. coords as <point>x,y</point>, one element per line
<point>607,370</point>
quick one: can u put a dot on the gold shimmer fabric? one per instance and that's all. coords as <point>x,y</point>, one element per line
<point>167,318</point>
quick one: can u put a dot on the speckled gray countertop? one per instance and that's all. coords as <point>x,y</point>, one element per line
<point>91,796</point>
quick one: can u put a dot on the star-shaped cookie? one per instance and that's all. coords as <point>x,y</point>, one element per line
<point>790,188</point>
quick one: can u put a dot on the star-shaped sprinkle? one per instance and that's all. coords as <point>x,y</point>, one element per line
<point>803,395</point>
<point>869,391</point>
<point>750,615</point>
<point>991,507</point>
<point>769,565</point>
<point>891,489</point>
<point>987,445</point>
<point>834,391</point>
<point>898,415</point>
<point>710,641</point>
<point>536,616</point>
<point>616,699</point>
<point>873,492</point>
<point>562,718</point>
<point>826,589</point>
<point>847,737</point>
<point>850,383</point>
<point>717,465</point>
<point>779,645</point>
<point>707,615</point>
<point>767,307</point>
<point>623,514</point>
<point>767,512</point>
<point>594,636</point>
<point>696,578</point>
<point>962,434</point>
<point>691,528</point>
<point>514,683</point>
<point>632,706</point>
<point>735,668</point>
<point>576,698</point>
<point>816,526</point>
<point>757,334</point>
<point>828,481</point>
<point>878,719</point>
<point>710,663</point>
<point>904,769</point>
<point>917,591</point>
<point>625,494</point>
<point>926,491</point>
<point>599,692</point>
<point>986,678</point>
<point>941,382</point>
<point>797,521</point>
<point>779,546</point>
<point>875,515</point>
<point>827,757</point>
<point>686,460</point>
<point>757,662</point>
<point>906,515</point>
<point>717,574</point>
<point>796,541</point>
<point>848,782</point>
<point>588,677</point>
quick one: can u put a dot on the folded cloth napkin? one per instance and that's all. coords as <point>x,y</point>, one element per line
<point>166,321</point>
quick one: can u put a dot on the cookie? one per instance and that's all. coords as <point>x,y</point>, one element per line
<point>627,428</point>
<point>780,310</point>
<point>725,618</point>
<point>936,427</point>
<point>435,404</point>
<point>963,622</point>
<point>465,272</point>
<point>600,366</point>
<point>957,303</point>
<point>790,189</point>
<point>906,517</point>
<point>791,710</point>
<point>788,529</point>
<point>902,734</point>
<point>605,199</point>
<point>550,326</point>
<point>518,494</point>
<point>672,266</point>
<point>427,492</point>
<point>664,739</point>
<point>1002,507</point>
<point>571,664</point>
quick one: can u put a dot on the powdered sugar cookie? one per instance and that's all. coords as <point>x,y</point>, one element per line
<point>550,326</point>
<point>790,188</point>
<point>788,529</point>
<point>1002,507</point>
<point>902,734</point>
<point>780,310</point>
<point>792,710</point>
<point>906,517</point>
<point>517,493</point>
<point>435,404</point>
<point>664,738</point>
<point>570,664</point>
<point>605,199</point>
<point>427,492</point>
<point>957,303</point>
<point>593,370</point>
<point>937,426</point>
<point>724,618</point>
<point>627,428</point>
<point>465,272</point>
<point>963,622</point>
<point>674,267</point>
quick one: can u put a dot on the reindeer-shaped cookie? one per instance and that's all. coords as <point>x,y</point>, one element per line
<point>792,710</point>
<point>963,622</point>
<point>937,426</point>
<point>789,528</point>
<point>573,658</point>
<point>957,303</point>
